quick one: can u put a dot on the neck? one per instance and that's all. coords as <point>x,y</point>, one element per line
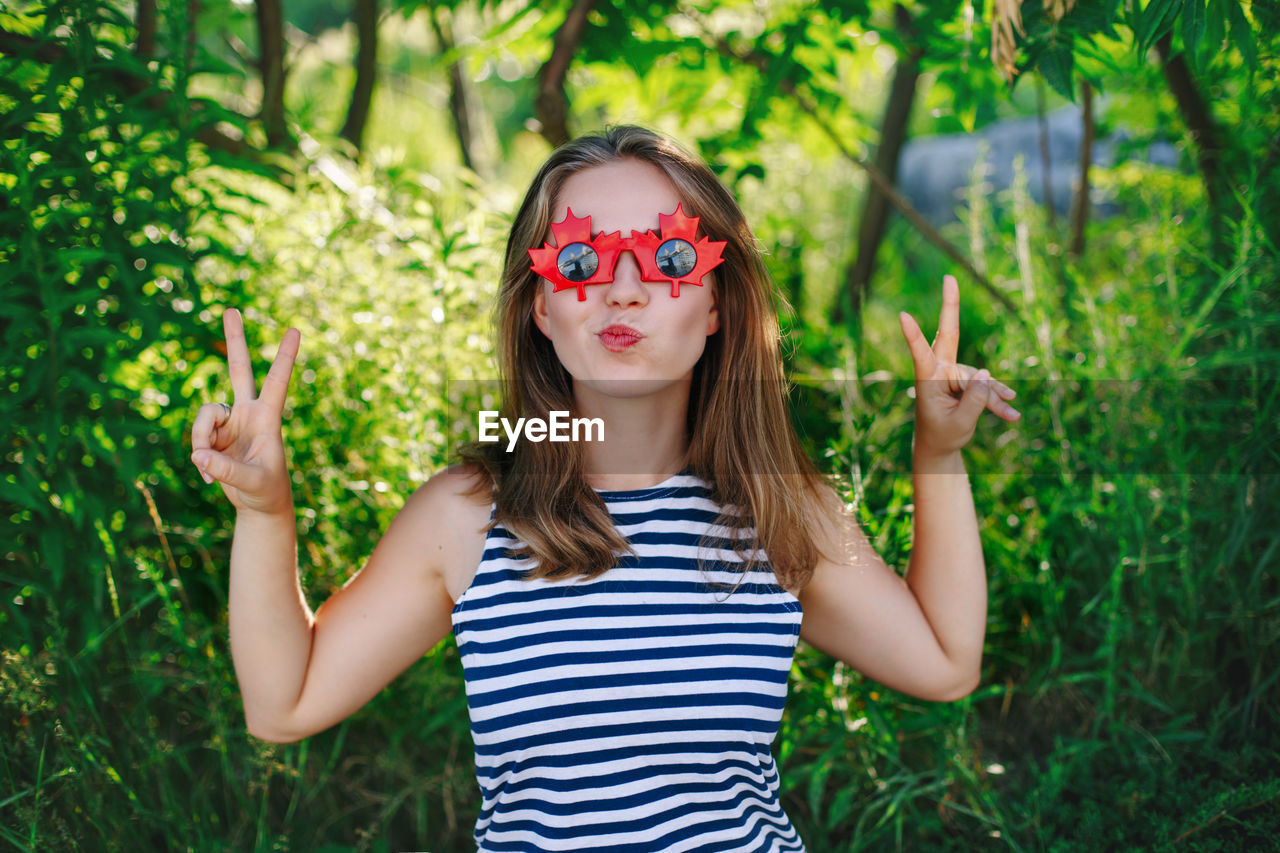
<point>645,440</point>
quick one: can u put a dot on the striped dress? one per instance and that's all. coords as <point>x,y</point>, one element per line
<point>632,712</point>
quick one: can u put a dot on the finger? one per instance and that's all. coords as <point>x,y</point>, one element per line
<point>921,356</point>
<point>977,394</point>
<point>276,385</point>
<point>1004,392</point>
<point>218,466</point>
<point>998,406</point>
<point>238,362</point>
<point>958,379</point>
<point>947,343</point>
<point>1000,393</point>
<point>204,430</point>
<point>1003,411</point>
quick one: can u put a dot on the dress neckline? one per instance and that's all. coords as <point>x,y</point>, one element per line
<point>666,485</point>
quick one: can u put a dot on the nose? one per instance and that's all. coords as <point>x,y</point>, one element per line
<point>627,288</point>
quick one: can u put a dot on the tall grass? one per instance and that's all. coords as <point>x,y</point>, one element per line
<point>1131,532</point>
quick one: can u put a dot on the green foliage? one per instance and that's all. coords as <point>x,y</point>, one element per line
<point>1131,536</point>
<point>389,282</point>
<point>98,262</point>
<point>121,720</point>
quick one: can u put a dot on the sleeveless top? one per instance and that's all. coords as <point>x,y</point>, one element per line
<point>632,712</point>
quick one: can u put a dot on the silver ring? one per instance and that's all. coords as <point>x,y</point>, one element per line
<point>228,408</point>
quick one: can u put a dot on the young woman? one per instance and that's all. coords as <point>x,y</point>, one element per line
<point>627,607</point>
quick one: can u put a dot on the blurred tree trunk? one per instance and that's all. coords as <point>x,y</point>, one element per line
<point>270,15</point>
<point>458,106</point>
<point>1046,158</point>
<point>893,135</point>
<point>1080,202</point>
<point>145,20</point>
<point>1208,139</point>
<point>552,106</point>
<point>366,16</point>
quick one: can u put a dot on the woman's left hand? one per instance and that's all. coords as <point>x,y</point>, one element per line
<point>950,396</point>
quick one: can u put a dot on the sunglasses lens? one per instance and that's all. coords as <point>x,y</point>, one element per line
<point>577,262</point>
<point>676,258</point>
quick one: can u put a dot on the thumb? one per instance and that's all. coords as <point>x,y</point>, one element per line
<point>216,466</point>
<point>977,391</point>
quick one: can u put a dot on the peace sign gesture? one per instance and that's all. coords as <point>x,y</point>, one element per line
<point>950,396</point>
<point>241,445</point>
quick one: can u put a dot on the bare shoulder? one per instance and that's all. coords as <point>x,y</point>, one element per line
<point>449,516</point>
<point>836,532</point>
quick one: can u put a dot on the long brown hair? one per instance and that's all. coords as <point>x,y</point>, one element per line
<point>741,440</point>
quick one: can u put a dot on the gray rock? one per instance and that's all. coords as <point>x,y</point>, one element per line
<point>935,171</point>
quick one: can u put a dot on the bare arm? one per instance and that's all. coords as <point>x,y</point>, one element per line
<point>946,572</point>
<point>922,635</point>
<point>917,635</point>
<point>270,622</point>
<point>301,672</point>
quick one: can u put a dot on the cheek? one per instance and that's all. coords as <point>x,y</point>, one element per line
<point>703,319</point>
<point>560,314</point>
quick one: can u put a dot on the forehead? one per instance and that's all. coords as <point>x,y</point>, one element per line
<point>624,195</point>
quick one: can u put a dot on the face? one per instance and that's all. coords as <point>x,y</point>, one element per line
<point>629,337</point>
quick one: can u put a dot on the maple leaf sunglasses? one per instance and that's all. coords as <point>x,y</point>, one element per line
<point>577,259</point>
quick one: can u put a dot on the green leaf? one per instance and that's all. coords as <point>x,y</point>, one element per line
<point>15,494</point>
<point>1056,65</point>
<point>751,170</point>
<point>1156,20</point>
<point>1215,24</point>
<point>52,543</point>
<point>1090,17</point>
<point>1193,20</point>
<point>76,339</point>
<point>841,807</point>
<point>1242,35</point>
<point>846,10</point>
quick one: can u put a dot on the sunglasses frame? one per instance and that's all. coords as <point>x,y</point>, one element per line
<point>609,247</point>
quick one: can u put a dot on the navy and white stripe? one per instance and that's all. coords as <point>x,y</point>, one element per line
<point>632,712</point>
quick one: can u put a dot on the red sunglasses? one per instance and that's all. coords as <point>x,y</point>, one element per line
<point>675,255</point>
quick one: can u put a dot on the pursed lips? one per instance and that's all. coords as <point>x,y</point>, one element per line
<point>617,337</point>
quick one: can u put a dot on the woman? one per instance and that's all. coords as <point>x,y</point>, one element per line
<point>626,608</point>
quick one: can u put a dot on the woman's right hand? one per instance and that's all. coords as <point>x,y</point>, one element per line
<point>241,446</point>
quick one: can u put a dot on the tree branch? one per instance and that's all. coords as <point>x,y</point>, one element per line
<point>761,62</point>
<point>1080,204</point>
<point>366,15</point>
<point>270,20</point>
<point>1198,118</point>
<point>1046,161</point>
<point>14,44</point>
<point>458,106</point>
<point>145,21</point>
<point>893,135</point>
<point>552,106</point>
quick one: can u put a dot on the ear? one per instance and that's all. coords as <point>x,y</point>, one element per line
<point>540,309</point>
<point>713,316</point>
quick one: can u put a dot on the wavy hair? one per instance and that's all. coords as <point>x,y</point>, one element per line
<point>741,439</point>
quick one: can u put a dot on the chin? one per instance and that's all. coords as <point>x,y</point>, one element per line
<point>631,387</point>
